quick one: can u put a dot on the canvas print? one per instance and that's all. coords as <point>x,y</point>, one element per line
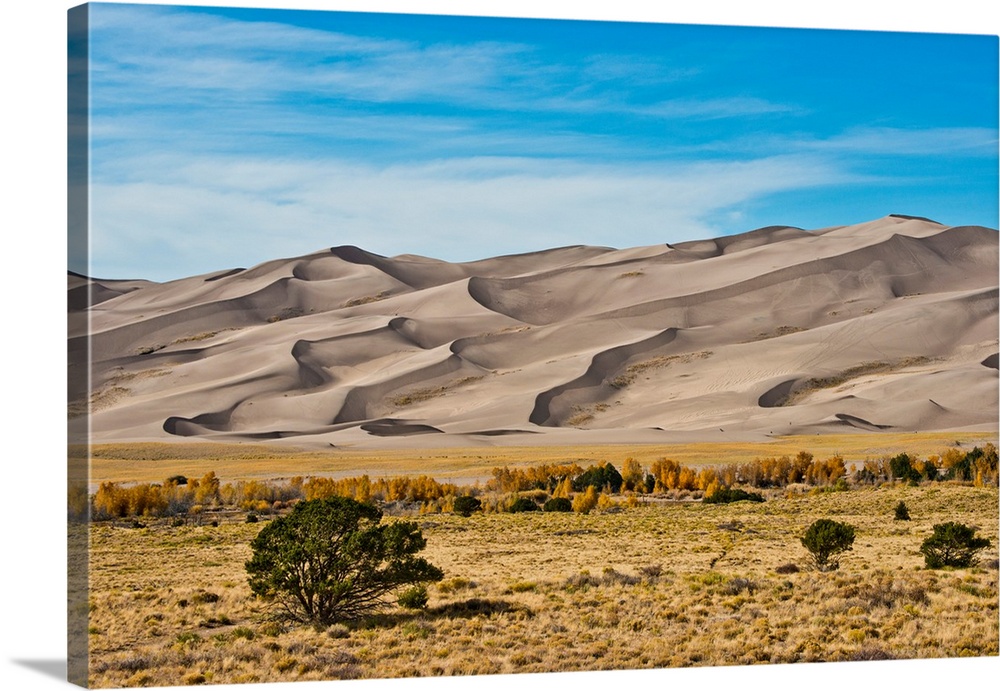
<point>408,345</point>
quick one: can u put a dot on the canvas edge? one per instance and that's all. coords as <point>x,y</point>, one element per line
<point>78,349</point>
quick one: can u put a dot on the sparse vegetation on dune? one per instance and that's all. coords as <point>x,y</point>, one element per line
<point>864,369</point>
<point>425,394</point>
<point>633,371</point>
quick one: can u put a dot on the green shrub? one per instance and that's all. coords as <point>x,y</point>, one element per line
<point>952,544</point>
<point>466,505</point>
<point>825,539</point>
<point>188,638</point>
<point>727,495</point>
<point>332,560</point>
<point>599,477</point>
<point>252,518</point>
<point>413,598</point>
<point>901,467</point>
<point>930,470</point>
<point>243,632</point>
<point>558,504</point>
<point>902,513</point>
<point>522,504</point>
<point>204,596</point>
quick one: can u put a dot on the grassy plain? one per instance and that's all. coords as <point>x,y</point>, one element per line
<point>663,584</point>
<point>155,461</point>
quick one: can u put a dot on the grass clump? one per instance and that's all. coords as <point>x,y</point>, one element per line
<point>413,598</point>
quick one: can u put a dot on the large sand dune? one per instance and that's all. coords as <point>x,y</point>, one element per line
<point>888,325</point>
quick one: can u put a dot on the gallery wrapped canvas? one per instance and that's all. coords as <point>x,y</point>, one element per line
<point>417,345</point>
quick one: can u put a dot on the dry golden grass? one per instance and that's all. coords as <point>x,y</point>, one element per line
<point>155,461</point>
<point>663,584</point>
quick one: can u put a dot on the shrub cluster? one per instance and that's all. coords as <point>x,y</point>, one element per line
<point>579,489</point>
<point>599,477</point>
<point>727,495</point>
<point>522,504</point>
<point>466,505</point>
<point>978,466</point>
<point>364,489</point>
<point>546,476</point>
<point>558,504</point>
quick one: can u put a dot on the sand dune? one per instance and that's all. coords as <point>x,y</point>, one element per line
<point>888,325</point>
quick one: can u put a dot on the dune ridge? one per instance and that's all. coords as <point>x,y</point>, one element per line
<point>889,325</point>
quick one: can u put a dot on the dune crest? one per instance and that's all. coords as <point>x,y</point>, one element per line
<point>886,325</point>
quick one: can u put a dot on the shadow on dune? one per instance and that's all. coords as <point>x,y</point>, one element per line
<point>397,428</point>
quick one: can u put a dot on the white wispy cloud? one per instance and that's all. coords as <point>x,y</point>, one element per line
<point>220,142</point>
<point>173,59</point>
<point>200,213</point>
<point>938,141</point>
<point>864,141</point>
<point>716,108</point>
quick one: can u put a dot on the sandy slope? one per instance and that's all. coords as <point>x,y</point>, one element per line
<point>887,325</point>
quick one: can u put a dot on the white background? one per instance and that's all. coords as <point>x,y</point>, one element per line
<point>32,402</point>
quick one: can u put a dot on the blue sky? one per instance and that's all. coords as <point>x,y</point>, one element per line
<point>223,137</point>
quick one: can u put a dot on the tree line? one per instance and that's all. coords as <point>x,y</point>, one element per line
<point>583,489</point>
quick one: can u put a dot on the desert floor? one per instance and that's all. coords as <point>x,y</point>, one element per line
<point>155,461</point>
<point>662,584</point>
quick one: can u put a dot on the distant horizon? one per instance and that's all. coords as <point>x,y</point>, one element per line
<point>225,137</point>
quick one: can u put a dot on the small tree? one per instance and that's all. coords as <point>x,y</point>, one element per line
<point>901,512</point>
<point>331,560</point>
<point>466,505</point>
<point>522,504</point>
<point>901,467</point>
<point>558,504</point>
<point>825,539</point>
<point>584,502</point>
<point>952,544</point>
<point>599,477</point>
<point>632,475</point>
